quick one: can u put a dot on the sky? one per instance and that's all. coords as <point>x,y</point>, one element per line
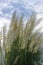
<point>25,7</point>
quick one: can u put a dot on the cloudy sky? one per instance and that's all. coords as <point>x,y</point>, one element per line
<point>25,7</point>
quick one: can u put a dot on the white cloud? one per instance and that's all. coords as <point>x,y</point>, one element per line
<point>36,5</point>
<point>1,12</point>
<point>15,1</point>
<point>3,5</point>
<point>39,16</point>
<point>29,2</point>
<point>10,1</point>
<point>4,21</point>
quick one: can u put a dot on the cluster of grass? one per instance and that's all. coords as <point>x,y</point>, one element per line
<point>26,41</point>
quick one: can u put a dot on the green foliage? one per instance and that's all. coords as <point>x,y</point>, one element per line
<point>24,48</point>
<point>24,58</point>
